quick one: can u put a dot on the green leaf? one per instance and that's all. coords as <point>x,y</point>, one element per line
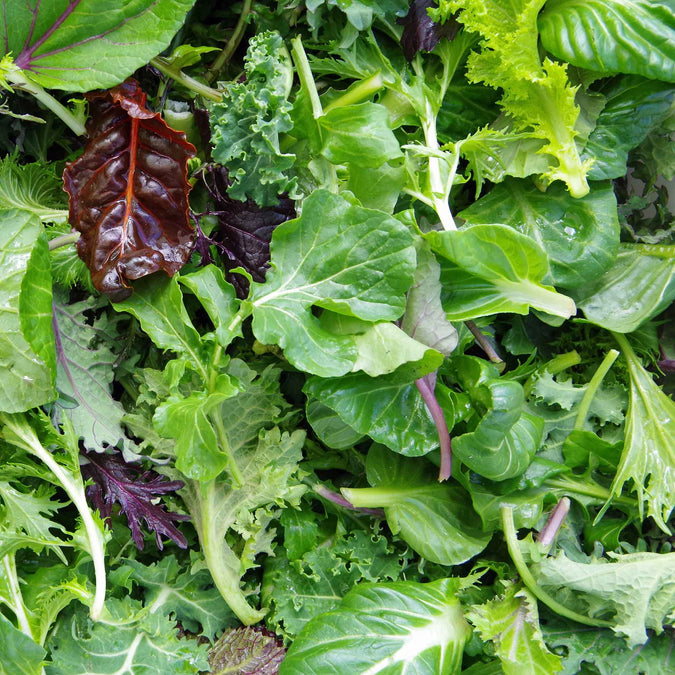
<point>126,640</point>
<point>424,318</point>
<point>612,36</point>
<point>379,187</point>
<point>329,427</point>
<point>388,408</point>
<point>580,236</point>
<point>418,628</point>
<point>48,38</point>
<point>20,655</point>
<point>26,379</point>
<point>511,623</point>
<point>640,285</point>
<point>490,269</point>
<point>635,107</point>
<point>351,260</point>
<point>247,125</point>
<point>85,372</point>
<point>648,456</point>
<point>218,299</point>
<point>635,591</point>
<point>192,599</point>
<point>359,135</point>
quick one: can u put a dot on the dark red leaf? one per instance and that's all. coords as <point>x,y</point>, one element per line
<point>246,651</point>
<point>244,229</point>
<point>420,33</point>
<point>136,491</point>
<point>129,192</point>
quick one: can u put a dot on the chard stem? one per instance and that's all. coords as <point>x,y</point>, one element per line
<point>554,522</point>
<point>530,582</point>
<point>424,387</point>
<point>64,240</point>
<point>484,343</point>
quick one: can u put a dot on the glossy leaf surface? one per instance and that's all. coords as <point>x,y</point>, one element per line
<point>79,45</point>
<point>128,192</point>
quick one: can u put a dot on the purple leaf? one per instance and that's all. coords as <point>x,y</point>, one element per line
<point>245,229</point>
<point>420,33</point>
<point>135,490</point>
<point>246,651</point>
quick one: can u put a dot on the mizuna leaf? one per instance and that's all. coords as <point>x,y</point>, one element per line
<point>128,192</point>
<point>80,45</point>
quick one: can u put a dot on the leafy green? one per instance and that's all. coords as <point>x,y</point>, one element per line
<point>417,627</point>
<point>245,651</point>
<point>20,655</point>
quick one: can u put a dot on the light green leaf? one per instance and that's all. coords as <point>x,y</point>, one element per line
<point>640,285</point>
<point>493,269</point>
<point>388,408</point>
<point>612,36</point>
<point>26,379</point>
<point>580,236</point>
<point>20,655</point>
<point>648,456</point>
<point>48,39</point>
<point>418,628</point>
<point>377,188</point>
<point>351,260</point>
<point>511,623</point>
<point>85,373</point>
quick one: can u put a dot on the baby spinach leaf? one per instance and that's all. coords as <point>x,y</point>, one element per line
<point>511,622</point>
<point>487,269</point>
<point>580,236</point>
<point>637,36</point>
<point>351,260</point>
<point>418,628</point>
<point>26,378</point>
<point>60,46</point>
<point>128,192</point>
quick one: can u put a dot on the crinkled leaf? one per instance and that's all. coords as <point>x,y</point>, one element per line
<point>418,628</point>
<point>20,655</point>
<point>128,192</point>
<point>126,640</point>
<point>511,623</point>
<point>610,36</point>
<point>48,39</point>
<point>388,408</point>
<point>246,126</point>
<point>26,379</point>
<point>580,236</point>
<point>85,372</point>
<point>634,591</point>
<point>537,96</point>
<point>246,651</point>
<point>634,108</point>
<point>137,492</point>
<point>190,598</point>
<point>639,285</point>
<point>341,257</point>
<point>648,456</point>
<point>487,269</point>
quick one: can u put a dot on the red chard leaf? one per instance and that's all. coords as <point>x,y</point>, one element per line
<point>136,491</point>
<point>129,192</point>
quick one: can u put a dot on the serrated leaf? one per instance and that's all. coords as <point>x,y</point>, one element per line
<point>26,380</point>
<point>350,260</point>
<point>418,628</point>
<point>48,38</point>
<point>612,36</point>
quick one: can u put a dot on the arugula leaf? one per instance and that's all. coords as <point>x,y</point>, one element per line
<point>511,622</point>
<point>26,379</point>
<point>417,627</point>
<point>487,269</point>
<point>637,36</point>
<point>351,260</point>
<point>48,38</point>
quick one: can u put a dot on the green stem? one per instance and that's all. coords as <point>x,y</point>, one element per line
<point>358,93</point>
<point>18,606</point>
<point>596,491</point>
<point>64,240</point>
<point>657,250</point>
<point>593,387</point>
<point>226,54</point>
<point>21,81</point>
<point>530,582</point>
<point>224,445</point>
<point>305,75</point>
<point>179,76</point>
<point>378,497</point>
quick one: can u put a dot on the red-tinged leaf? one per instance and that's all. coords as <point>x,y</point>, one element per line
<point>136,491</point>
<point>420,32</point>
<point>246,651</point>
<point>129,192</point>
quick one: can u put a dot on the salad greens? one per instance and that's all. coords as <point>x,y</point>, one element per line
<point>337,334</point>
